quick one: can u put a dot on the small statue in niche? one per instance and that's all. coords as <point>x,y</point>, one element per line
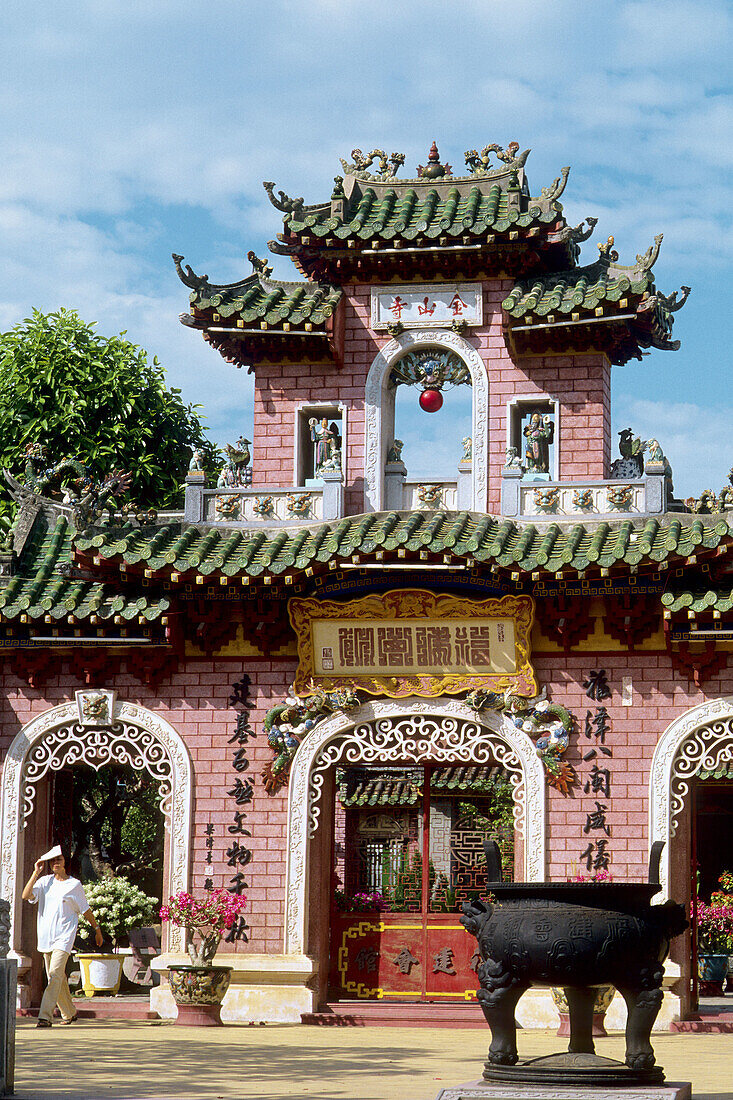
<point>394,454</point>
<point>539,434</point>
<point>327,445</point>
<point>513,461</point>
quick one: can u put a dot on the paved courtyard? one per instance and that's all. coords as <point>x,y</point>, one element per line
<point>132,1061</point>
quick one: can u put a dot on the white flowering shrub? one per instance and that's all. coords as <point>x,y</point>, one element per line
<point>118,906</point>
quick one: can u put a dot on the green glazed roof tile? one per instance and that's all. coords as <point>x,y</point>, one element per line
<point>551,549</point>
<point>40,587</point>
<point>718,599</point>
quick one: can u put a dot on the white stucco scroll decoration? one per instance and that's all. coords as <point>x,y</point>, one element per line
<point>125,734</point>
<point>380,405</point>
<point>407,731</point>
<point>700,739</point>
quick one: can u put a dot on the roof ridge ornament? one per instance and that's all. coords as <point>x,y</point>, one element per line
<point>259,267</point>
<point>189,277</point>
<point>294,207</point>
<point>480,163</point>
<point>389,166</point>
<point>669,301</point>
<point>554,192</point>
<point>648,260</point>
<point>434,170</point>
<point>607,253</point>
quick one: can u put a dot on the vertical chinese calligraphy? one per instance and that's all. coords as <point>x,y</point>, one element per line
<point>596,857</point>
<point>238,856</point>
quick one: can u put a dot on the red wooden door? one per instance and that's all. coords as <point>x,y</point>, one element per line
<point>410,852</point>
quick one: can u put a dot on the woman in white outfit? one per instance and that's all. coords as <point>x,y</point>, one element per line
<point>61,901</point>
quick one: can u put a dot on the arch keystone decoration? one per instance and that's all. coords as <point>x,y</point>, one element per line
<point>700,738</point>
<point>406,731</point>
<point>379,399</point>
<point>95,730</point>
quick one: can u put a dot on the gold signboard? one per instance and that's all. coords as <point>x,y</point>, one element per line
<point>414,642</point>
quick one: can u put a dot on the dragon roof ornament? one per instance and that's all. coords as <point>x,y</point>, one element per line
<point>553,193</point>
<point>480,162</point>
<point>284,203</point>
<point>389,166</point>
<point>189,277</point>
<point>648,260</point>
<point>259,267</point>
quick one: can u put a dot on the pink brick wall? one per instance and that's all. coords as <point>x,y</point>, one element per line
<point>195,701</point>
<point>580,382</point>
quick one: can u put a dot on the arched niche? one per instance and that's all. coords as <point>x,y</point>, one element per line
<point>406,731</point>
<point>380,412</point>
<point>702,738</point>
<point>117,732</point>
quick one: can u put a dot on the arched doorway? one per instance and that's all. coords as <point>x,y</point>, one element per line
<point>409,732</point>
<point>380,411</point>
<point>94,730</point>
<point>696,745</point>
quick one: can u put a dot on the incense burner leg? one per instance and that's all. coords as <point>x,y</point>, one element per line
<point>643,1008</point>
<point>580,1007</point>
<point>498,998</point>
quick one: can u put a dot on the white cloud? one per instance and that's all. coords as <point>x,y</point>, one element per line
<point>695,439</point>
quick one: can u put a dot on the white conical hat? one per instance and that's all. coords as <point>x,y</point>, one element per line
<point>52,853</point>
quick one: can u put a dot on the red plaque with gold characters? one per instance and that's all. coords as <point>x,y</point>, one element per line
<point>414,642</point>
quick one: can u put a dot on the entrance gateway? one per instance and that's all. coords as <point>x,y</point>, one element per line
<point>406,741</point>
<point>96,729</point>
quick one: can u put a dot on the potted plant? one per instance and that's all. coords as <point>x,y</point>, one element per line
<point>119,906</point>
<point>714,944</point>
<point>198,988</point>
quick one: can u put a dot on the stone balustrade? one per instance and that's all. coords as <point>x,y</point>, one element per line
<point>267,506</point>
<point>546,501</point>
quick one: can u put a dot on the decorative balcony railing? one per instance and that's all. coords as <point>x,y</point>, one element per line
<point>538,501</point>
<point>268,506</point>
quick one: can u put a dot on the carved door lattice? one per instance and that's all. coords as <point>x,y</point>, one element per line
<point>412,853</point>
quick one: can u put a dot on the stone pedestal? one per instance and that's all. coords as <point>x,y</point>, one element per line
<point>193,501</point>
<point>394,482</point>
<point>464,501</point>
<point>482,1090</point>
<point>8,994</point>
<point>511,477</point>
<point>333,494</point>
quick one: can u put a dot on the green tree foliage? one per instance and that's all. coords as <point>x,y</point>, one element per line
<point>99,400</point>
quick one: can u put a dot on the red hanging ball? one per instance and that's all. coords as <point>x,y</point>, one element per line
<point>431,400</point>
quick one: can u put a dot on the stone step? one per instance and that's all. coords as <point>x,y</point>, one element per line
<point>396,1014</point>
<point>108,1008</point>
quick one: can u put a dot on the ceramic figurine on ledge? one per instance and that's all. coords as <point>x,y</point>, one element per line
<point>539,434</point>
<point>326,451</point>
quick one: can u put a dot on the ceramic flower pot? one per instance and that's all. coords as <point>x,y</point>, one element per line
<point>712,970</point>
<point>604,996</point>
<point>198,992</point>
<point>100,973</point>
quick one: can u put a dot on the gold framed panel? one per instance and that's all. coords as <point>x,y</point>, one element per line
<point>414,642</point>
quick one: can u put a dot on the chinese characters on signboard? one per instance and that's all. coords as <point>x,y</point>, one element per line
<point>413,642</point>
<point>434,304</point>
<point>414,646</point>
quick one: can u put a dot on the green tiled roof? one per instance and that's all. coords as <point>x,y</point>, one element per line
<point>45,585</point>
<point>388,213</point>
<point>256,299</point>
<point>601,289</point>
<point>713,599</point>
<point>578,290</point>
<point>525,549</point>
<point>392,788</point>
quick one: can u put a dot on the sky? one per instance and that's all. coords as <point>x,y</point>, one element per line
<point>134,130</point>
